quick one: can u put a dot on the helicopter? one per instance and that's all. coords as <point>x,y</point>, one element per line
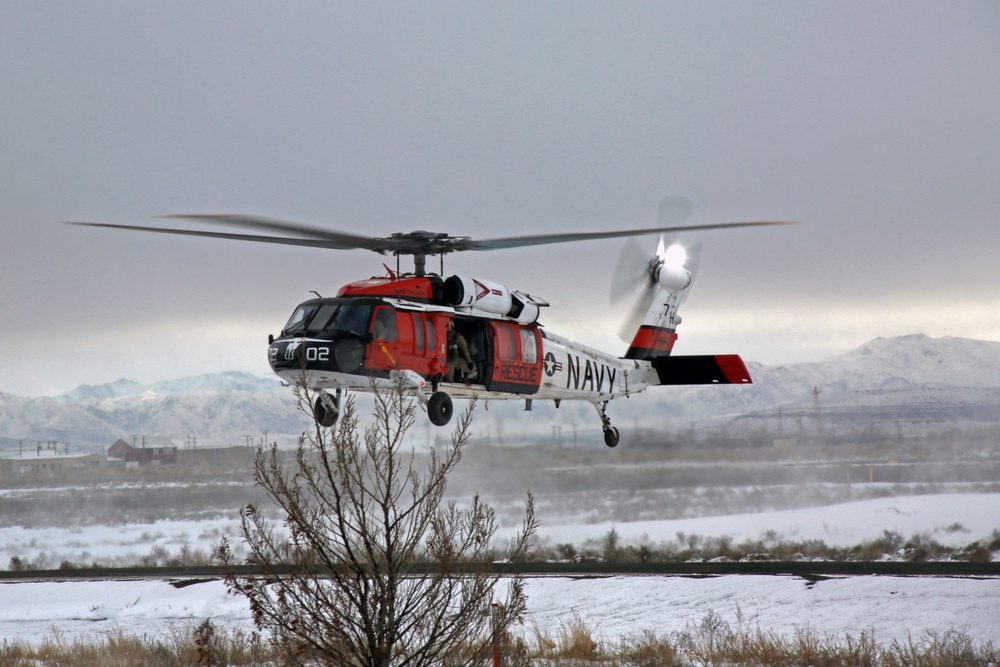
<point>457,336</point>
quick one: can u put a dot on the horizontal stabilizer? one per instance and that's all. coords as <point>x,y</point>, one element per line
<point>702,369</point>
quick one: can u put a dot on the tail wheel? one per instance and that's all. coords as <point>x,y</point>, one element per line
<point>439,408</point>
<point>326,410</point>
<point>611,436</point>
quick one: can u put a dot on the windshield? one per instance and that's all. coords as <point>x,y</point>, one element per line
<point>311,319</point>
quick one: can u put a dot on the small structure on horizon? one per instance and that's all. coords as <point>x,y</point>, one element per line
<point>47,461</point>
<point>155,453</point>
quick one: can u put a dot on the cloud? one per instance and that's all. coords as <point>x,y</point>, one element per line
<point>872,124</point>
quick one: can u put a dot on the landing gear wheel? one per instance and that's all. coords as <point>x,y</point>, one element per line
<point>439,408</point>
<point>326,410</point>
<point>610,432</point>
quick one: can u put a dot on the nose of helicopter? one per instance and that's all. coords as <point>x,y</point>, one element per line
<point>345,355</point>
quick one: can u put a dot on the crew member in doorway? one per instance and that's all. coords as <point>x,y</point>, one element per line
<point>458,356</point>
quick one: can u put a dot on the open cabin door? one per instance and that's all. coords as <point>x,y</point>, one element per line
<point>517,364</point>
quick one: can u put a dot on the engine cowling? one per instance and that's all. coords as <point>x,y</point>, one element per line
<point>489,298</point>
<point>674,278</point>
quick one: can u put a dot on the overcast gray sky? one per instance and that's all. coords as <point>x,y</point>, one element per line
<point>877,124</point>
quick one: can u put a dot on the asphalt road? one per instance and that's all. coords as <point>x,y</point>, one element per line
<point>806,569</point>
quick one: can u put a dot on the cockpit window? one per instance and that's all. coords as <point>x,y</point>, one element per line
<point>353,318</point>
<point>384,327</point>
<point>322,318</point>
<point>297,322</point>
<point>328,318</point>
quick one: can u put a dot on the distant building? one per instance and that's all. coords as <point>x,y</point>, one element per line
<point>154,453</point>
<point>46,461</point>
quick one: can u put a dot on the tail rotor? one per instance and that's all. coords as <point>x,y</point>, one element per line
<point>639,278</point>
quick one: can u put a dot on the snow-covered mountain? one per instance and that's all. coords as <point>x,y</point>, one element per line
<point>217,409</point>
<point>228,381</point>
<point>915,378</point>
<point>911,380</point>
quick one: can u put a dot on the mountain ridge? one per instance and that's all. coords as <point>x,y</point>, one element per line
<point>917,376</point>
<point>209,382</point>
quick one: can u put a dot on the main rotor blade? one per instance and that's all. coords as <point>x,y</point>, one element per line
<point>348,240</point>
<point>279,240</point>
<point>544,239</point>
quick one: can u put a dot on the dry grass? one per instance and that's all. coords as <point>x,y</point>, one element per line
<point>711,642</point>
<point>714,642</point>
<point>686,547</point>
<point>203,645</point>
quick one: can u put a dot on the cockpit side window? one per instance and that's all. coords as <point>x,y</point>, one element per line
<point>384,326</point>
<point>353,318</point>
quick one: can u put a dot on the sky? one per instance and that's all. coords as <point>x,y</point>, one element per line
<point>872,124</point>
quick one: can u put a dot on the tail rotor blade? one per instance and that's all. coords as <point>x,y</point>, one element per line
<point>637,313</point>
<point>630,274</point>
<point>674,211</point>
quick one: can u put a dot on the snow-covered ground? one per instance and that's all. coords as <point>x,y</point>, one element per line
<point>953,519</point>
<point>892,607</point>
<point>613,607</point>
<point>107,544</point>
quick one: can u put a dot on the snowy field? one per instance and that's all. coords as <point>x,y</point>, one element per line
<point>613,607</point>
<point>953,519</point>
<point>891,607</point>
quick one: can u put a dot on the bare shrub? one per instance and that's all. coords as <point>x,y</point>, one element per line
<point>376,568</point>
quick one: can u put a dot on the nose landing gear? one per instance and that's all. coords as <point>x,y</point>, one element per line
<point>611,436</point>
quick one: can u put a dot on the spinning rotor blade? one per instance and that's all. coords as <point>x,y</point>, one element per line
<point>631,273</point>
<point>543,239</point>
<point>411,243</point>
<point>636,313</point>
<point>418,243</point>
<point>280,240</point>
<point>633,280</point>
<point>674,212</point>
<point>274,225</point>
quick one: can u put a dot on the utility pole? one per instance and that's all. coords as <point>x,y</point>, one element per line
<point>817,412</point>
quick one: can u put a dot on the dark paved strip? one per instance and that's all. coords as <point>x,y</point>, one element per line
<point>806,569</point>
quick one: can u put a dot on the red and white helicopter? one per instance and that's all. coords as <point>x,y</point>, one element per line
<point>407,326</point>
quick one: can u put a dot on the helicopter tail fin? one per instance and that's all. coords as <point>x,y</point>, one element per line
<point>651,341</point>
<point>702,369</point>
